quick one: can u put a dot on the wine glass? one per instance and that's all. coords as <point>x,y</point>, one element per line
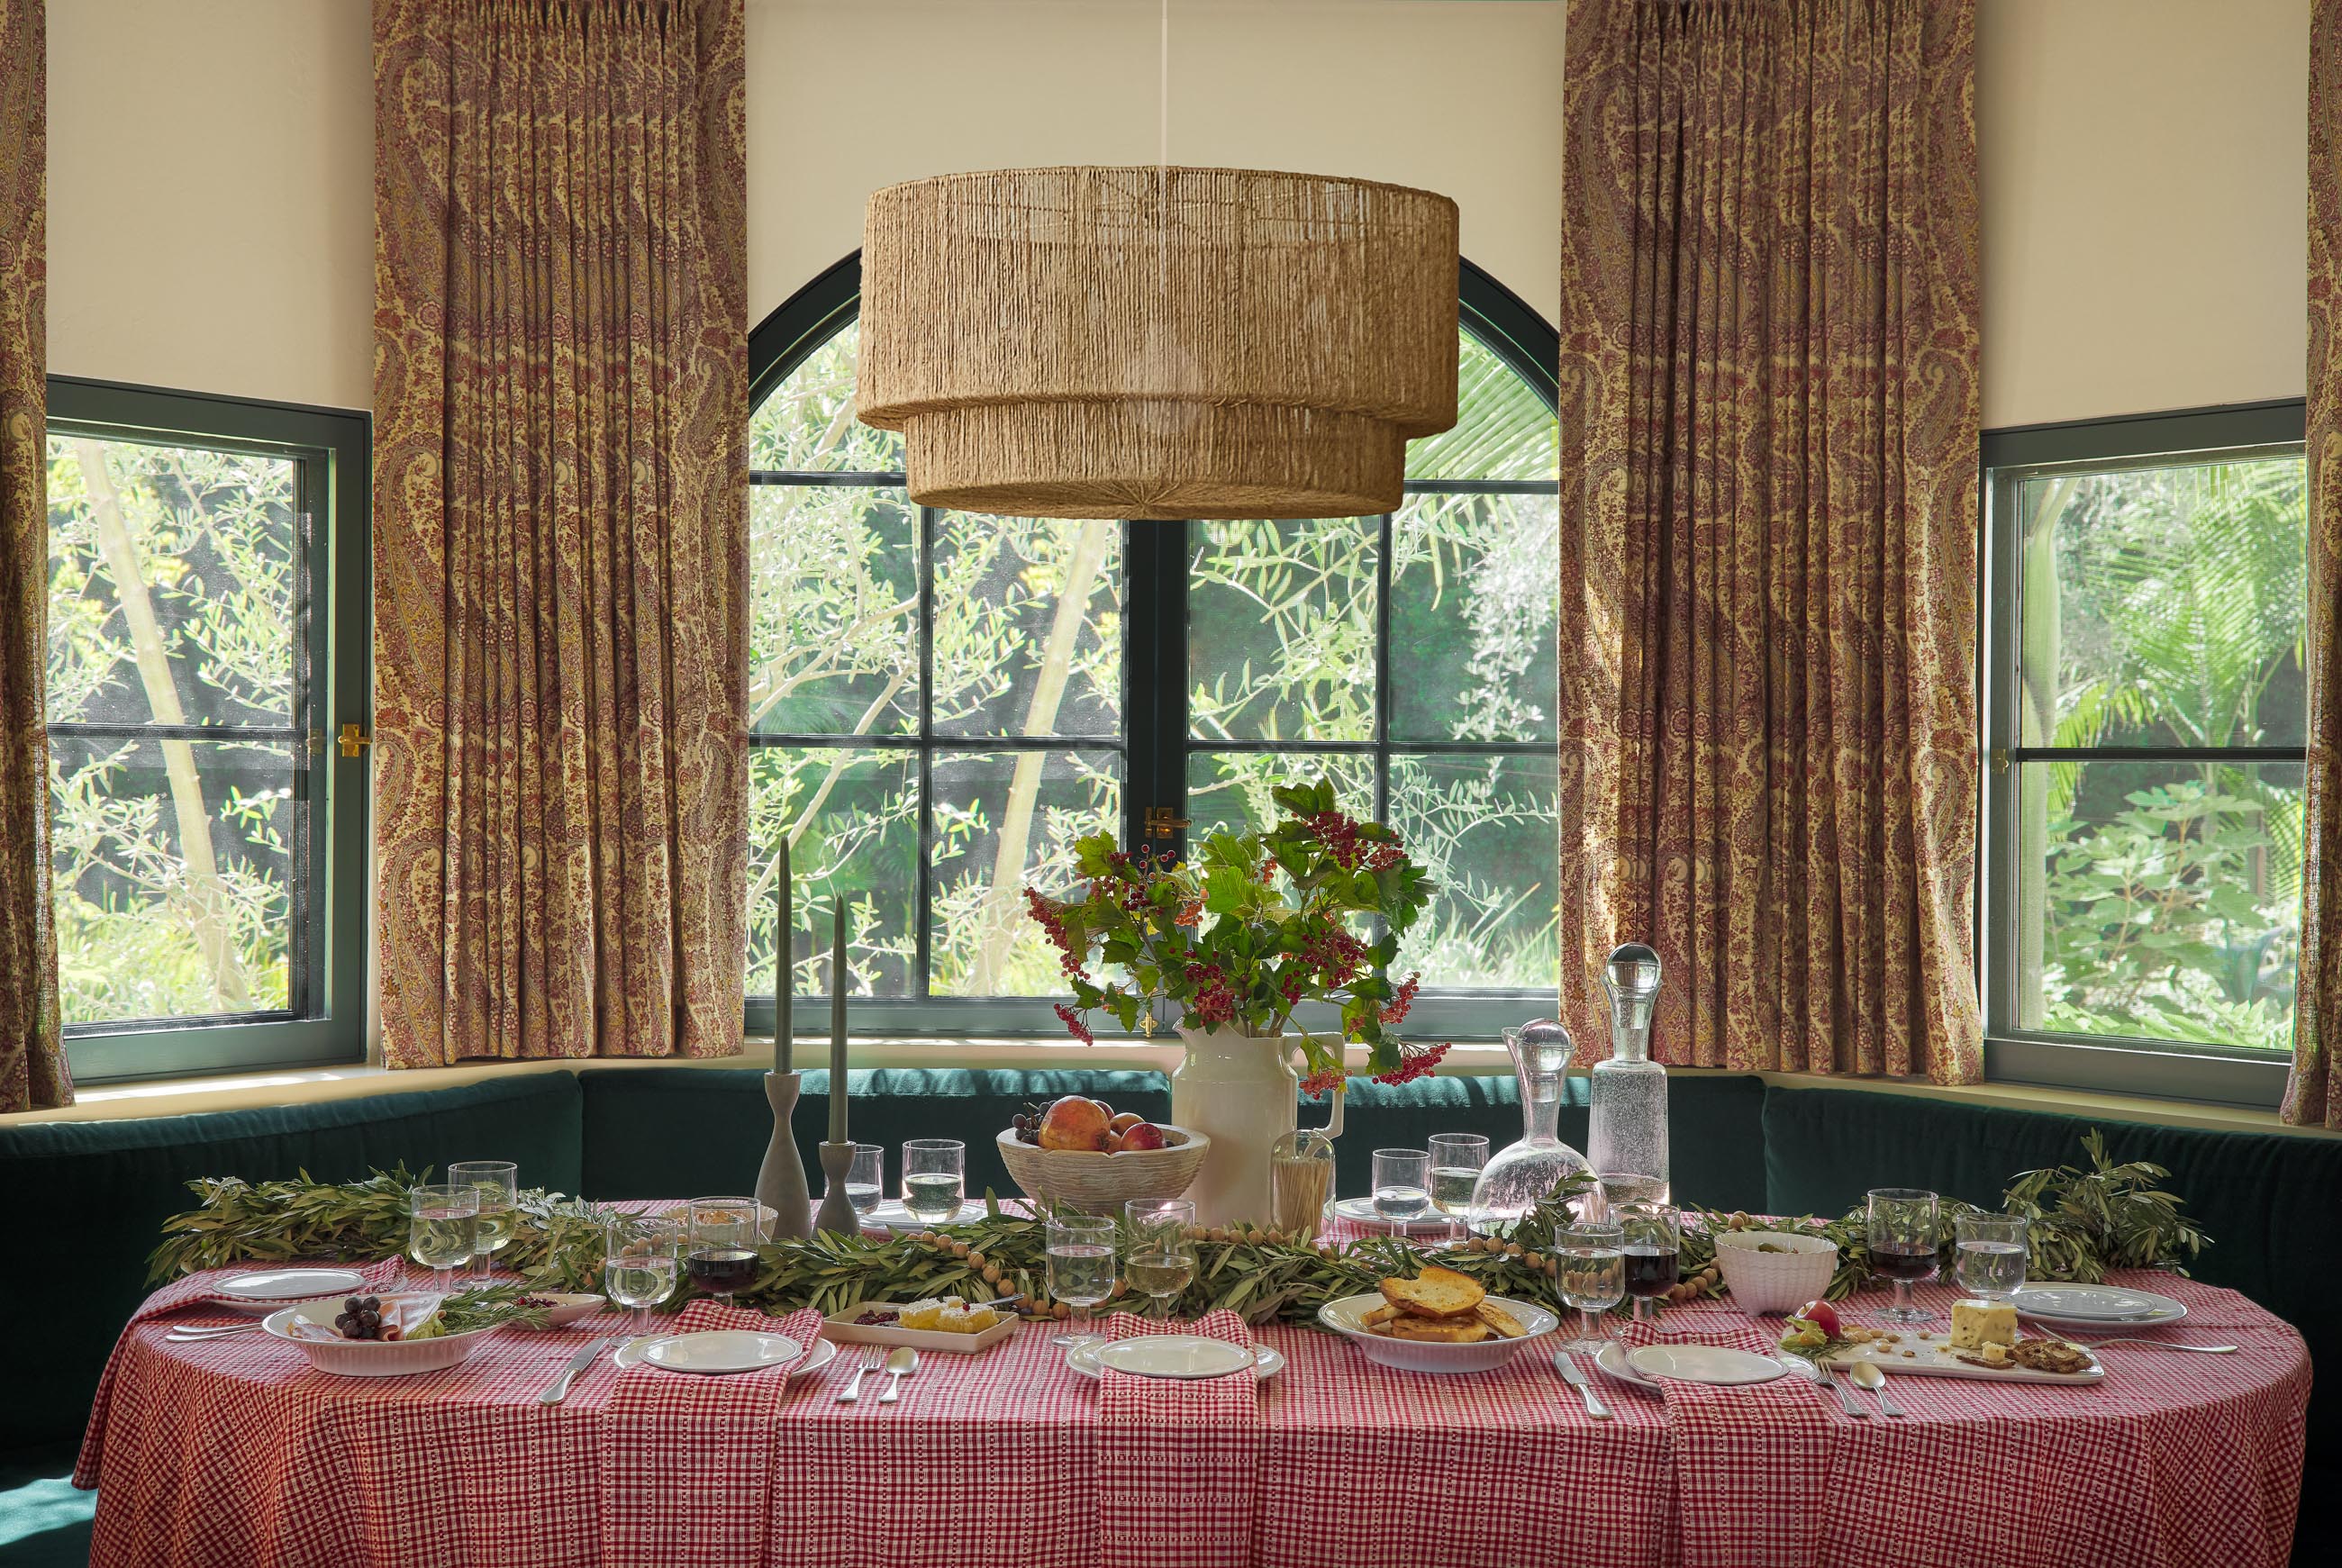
<point>1081,1270</point>
<point>1592,1276</point>
<point>1161,1258</point>
<point>1402,1184</point>
<point>866,1178</point>
<point>441,1220</point>
<point>723,1236</point>
<point>499,1184</point>
<point>1653,1235</point>
<point>934,1178</point>
<point>1990,1256</point>
<point>1456,1160</point>
<point>1903,1245</point>
<point>638,1261</point>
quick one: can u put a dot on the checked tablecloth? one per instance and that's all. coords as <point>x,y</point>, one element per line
<point>235,1452</point>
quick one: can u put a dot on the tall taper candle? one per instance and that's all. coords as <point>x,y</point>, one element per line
<point>785,980</point>
<point>838,980</point>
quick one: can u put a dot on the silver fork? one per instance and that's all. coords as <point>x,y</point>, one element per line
<point>852,1390</point>
<point>2156,1344</point>
<point>1825,1384</point>
<point>186,1332</point>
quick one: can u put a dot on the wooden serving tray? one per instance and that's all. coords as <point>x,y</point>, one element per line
<point>841,1327</point>
<point>1934,1360</point>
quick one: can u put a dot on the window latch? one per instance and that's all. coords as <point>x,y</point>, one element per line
<point>1161,823</point>
<point>2000,759</point>
<point>355,739</point>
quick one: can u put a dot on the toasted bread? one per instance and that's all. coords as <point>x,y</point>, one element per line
<point>1440,1330</point>
<point>1506,1326</point>
<point>1380,1314</point>
<point>1435,1292</point>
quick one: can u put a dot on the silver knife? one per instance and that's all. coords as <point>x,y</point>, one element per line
<point>558,1389</point>
<point>1574,1376</point>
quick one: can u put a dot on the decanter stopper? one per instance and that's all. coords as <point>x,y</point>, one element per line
<point>1632,978</point>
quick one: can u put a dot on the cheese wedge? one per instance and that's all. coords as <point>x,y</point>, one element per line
<point>1976,1325</point>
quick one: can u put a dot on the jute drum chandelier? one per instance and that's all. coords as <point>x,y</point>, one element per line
<point>1157,342</point>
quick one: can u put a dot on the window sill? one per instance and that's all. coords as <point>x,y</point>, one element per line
<point>193,1095</point>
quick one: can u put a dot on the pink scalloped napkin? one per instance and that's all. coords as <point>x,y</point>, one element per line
<point>1751,1462</point>
<point>198,1289</point>
<point>688,1460</point>
<point>1178,1461</point>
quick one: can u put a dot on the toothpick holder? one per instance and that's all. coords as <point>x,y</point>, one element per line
<point>781,1179</point>
<point>836,1217</point>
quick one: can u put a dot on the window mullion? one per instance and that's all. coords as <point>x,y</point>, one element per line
<point>925,922</point>
<point>1154,677</point>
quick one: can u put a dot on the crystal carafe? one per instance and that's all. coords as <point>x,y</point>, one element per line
<point>1628,1141</point>
<point>1520,1175</point>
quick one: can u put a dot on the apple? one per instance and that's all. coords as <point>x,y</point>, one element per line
<point>1126,1120</point>
<point>1113,1145</point>
<point>1145,1135</point>
<point>1074,1122</point>
<point>1823,1316</point>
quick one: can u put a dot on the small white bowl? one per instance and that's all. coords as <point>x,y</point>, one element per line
<point>568,1307</point>
<point>1347,1318</point>
<point>1775,1281</point>
<point>368,1357</point>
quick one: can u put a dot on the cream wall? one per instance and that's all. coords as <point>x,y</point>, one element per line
<point>211,195</point>
<point>2144,176</point>
<point>211,164</point>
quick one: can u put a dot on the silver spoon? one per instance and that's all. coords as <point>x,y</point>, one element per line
<point>899,1366</point>
<point>1866,1374</point>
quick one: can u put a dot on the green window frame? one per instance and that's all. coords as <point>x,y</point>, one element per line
<point>1154,746</point>
<point>2014,907</point>
<point>323,1020</point>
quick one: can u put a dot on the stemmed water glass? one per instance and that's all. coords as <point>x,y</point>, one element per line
<point>638,1261</point>
<point>441,1220</point>
<point>1081,1270</point>
<point>1402,1185</point>
<point>721,1255</point>
<point>1161,1259</point>
<point>1653,1236</point>
<point>1990,1256</point>
<point>1903,1238</point>
<point>1592,1276</point>
<point>499,1182</point>
<point>1456,1160</point>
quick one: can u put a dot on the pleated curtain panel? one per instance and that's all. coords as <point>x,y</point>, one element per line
<point>2313,1094</point>
<point>1769,469</point>
<point>560,527</point>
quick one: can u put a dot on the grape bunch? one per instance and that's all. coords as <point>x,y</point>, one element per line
<point>361,1318</point>
<point>1027,1123</point>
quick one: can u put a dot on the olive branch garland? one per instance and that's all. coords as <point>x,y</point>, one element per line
<point>2083,1222</point>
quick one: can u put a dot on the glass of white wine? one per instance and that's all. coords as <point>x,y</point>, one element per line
<point>1160,1260</point>
<point>934,1178</point>
<point>1457,1161</point>
<point>639,1253</point>
<point>441,1220</point>
<point>499,1182</point>
<point>1081,1270</point>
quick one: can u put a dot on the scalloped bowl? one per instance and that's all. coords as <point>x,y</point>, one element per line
<point>370,1358</point>
<point>1779,1282</point>
<point>1101,1183</point>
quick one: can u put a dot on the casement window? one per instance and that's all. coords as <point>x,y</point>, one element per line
<point>2146,603</point>
<point>207,638</point>
<point>943,703</point>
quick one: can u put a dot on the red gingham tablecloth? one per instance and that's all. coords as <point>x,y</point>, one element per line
<point>1178,1463</point>
<point>235,1452</point>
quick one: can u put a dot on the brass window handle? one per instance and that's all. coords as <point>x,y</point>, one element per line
<point>1161,823</point>
<point>355,739</point>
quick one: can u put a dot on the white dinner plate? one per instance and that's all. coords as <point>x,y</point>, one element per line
<point>282,1285</point>
<point>1084,1359</point>
<point>894,1216</point>
<point>634,1352</point>
<point>1705,1364</point>
<point>1612,1359</point>
<point>1177,1355</point>
<point>721,1350</point>
<point>1361,1212</point>
<point>2101,1306</point>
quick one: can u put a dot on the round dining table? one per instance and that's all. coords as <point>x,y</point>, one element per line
<point>236,1451</point>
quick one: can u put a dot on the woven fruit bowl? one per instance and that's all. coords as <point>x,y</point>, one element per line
<point>1101,1183</point>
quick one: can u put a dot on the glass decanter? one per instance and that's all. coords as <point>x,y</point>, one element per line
<point>1520,1175</point>
<point>1627,1137</point>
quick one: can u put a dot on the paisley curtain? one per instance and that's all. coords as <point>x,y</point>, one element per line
<point>2313,1094</point>
<point>560,526</point>
<point>33,1073</point>
<point>1770,422</point>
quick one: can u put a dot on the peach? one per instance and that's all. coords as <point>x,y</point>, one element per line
<point>1074,1122</point>
<point>1126,1120</point>
<point>1145,1135</point>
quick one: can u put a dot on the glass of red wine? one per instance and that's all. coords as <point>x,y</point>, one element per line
<point>1903,1245</point>
<point>720,1256</point>
<point>1653,1237</point>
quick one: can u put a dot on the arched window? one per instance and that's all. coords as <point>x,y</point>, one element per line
<point>942,703</point>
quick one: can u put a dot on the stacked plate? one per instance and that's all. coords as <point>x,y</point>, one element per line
<point>2097,1306</point>
<point>1183,1357</point>
<point>717,1351</point>
<point>262,1291</point>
